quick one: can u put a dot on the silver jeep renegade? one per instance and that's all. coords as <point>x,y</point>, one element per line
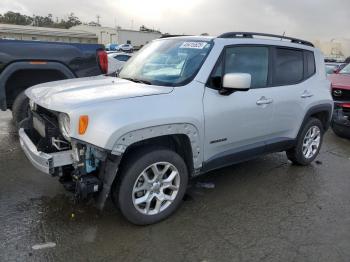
<point>180,107</point>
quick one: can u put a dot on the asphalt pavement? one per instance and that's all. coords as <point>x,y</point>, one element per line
<point>262,210</point>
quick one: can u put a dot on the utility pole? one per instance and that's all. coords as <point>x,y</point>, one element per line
<point>98,19</point>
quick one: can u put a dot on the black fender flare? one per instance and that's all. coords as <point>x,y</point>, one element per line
<point>28,65</point>
<point>326,107</point>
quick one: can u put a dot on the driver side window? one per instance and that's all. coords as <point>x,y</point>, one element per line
<point>253,60</point>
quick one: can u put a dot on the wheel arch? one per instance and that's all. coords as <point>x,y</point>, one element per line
<point>12,69</point>
<point>323,112</point>
<point>183,138</point>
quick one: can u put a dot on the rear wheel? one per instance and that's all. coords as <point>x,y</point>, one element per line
<point>308,144</point>
<point>152,185</point>
<point>20,108</point>
<point>341,131</point>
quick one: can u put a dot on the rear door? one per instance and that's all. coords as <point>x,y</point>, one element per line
<point>291,89</point>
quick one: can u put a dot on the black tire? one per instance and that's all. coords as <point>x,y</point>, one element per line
<point>133,166</point>
<point>296,154</point>
<point>341,131</point>
<point>20,108</point>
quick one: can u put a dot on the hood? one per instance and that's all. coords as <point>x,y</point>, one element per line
<point>66,95</point>
<point>341,81</point>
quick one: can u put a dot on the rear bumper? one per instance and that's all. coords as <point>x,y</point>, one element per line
<point>44,162</point>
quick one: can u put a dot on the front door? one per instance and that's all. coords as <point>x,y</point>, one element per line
<point>239,121</point>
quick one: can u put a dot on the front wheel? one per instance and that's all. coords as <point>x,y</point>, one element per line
<point>308,143</point>
<point>152,185</point>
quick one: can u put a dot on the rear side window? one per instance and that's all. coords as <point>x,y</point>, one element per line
<point>249,59</point>
<point>289,67</point>
<point>310,64</point>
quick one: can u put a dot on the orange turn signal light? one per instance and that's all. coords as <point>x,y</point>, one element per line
<point>37,62</point>
<point>83,124</point>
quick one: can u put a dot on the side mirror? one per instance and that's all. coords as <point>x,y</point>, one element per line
<point>237,81</point>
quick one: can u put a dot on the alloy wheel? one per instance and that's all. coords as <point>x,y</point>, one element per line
<point>311,142</point>
<point>156,188</point>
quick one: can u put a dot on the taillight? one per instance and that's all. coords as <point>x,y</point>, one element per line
<point>103,61</point>
<point>345,105</point>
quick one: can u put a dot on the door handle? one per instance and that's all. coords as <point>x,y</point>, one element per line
<point>306,94</point>
<point>264,101</point>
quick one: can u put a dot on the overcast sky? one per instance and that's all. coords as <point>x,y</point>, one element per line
<point>311,19</point>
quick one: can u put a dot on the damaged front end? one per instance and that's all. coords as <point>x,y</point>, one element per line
<point>84,169</point>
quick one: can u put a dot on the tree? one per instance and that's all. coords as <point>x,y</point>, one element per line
<point>15,18</point>
<point>347,60</point>
<point>72,21</point>
<point>42,21</point>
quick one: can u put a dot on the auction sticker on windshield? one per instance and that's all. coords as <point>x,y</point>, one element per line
<point>194,45</point>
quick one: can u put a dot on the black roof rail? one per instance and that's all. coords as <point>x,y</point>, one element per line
<point>251,35</point>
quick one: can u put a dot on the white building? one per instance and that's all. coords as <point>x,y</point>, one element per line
<point>105,35</point>
<point>20,32</point>
<point>110,35</point>
<point>136,38</point>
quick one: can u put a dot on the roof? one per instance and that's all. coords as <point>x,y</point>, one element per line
<point>264,35</point>
<point>45,31</point>
<point>188,37</point>
<point>89,28</point>
<point>249,36</point>
<point>138,31</point>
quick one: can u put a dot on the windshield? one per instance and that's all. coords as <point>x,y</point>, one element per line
<point>345,70</point>
<point>168,62</point>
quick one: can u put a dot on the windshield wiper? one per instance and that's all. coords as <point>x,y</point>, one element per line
<point>138,80</point>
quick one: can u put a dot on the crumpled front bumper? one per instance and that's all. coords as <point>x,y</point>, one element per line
<point>44,162</point>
